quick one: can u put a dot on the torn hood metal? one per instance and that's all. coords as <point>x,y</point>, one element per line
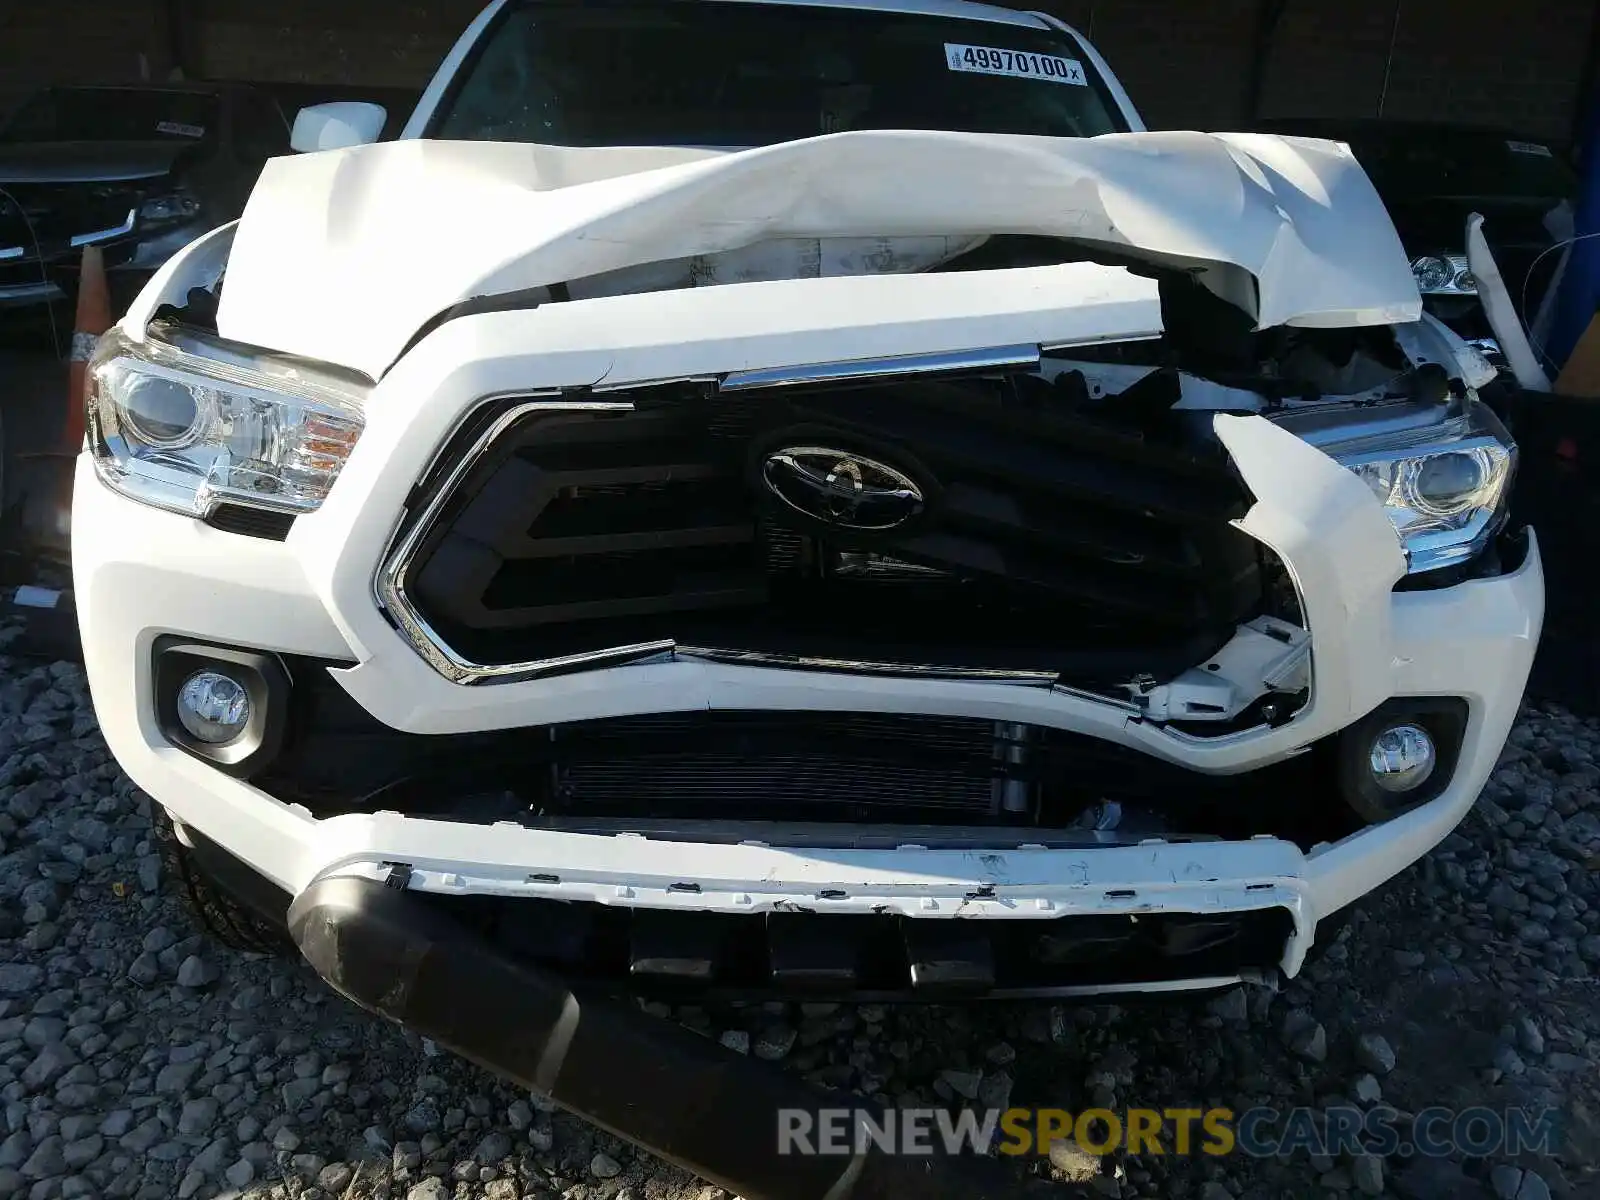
<point>345,255</point>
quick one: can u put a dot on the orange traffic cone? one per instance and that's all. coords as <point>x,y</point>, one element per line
<point>94,318</point>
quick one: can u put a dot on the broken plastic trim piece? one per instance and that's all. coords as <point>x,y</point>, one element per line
<point>1265,657</point>
<point>678,1095</point>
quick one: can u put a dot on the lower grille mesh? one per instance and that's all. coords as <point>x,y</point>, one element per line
<point>849,767</point>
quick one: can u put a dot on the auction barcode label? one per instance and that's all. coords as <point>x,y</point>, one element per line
<point>1020,64</point>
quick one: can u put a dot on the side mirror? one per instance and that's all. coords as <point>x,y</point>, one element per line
<point>336,126</point>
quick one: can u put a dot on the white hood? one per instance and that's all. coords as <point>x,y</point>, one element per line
<point>345,255</point>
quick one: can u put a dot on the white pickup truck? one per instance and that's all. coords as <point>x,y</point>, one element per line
<point>798,498</point>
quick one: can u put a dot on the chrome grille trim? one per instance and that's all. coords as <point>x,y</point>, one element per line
<point>911,365</point>
<point>390,584</point>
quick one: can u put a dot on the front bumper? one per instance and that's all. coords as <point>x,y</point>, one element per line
<point>715,1112</point>
<point>142,574</point>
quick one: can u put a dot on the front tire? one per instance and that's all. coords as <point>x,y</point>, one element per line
<point>211,906</point>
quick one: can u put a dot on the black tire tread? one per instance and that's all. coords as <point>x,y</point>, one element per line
<point>218,914</point>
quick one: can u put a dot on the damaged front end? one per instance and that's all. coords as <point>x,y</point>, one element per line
<point>1093,605</point>
<point>1096,524</point>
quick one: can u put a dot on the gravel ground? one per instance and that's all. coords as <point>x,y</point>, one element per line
<point>136,1060</point>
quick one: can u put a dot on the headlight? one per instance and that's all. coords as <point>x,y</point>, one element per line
<point>179,206</point>
<point>1444,275</point>
<point>187,422</point>
<point>1443,485</point>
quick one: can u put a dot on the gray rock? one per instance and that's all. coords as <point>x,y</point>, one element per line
<point>963,1083</point>
<point>1533,1187</point>
<point>198,1115</point>
<point>519,1116</point>
<point>174,1078</point>
<point>603,1166</point>
<point>143,1136</point>
<point>407,1156</point>
<point>43,1031</point>
<point>240,1175</point>
<point>1508,1062</point>
<point>493,1148</point>
<point>210,1160</point>
<point>47,1160</point>
<point>77,1126</point>
<point>286,1140</point>
<point>297,1093</point>
<point>144,970</point>
<point>1506,1180</point>
<point>1311,1043</point>
<point>21,978</point>
<point>1073,1163</point>
<point>775,1042</point>
<point>1375,1054</point>
<point>1233,1006</point>
<point>736,1040</point>
<point>335,1178</point>
<point>1001,1054</point>
<point>1367,1089</point>
<point>1529,1037</point>
<point>81,1153</point>
<point>431,1188</point>
<point>49,1065</point>
<point>1367,1172</point>
<point>422,1117</point>
<point>995,1091</point>
<point>197,972</point>
<point>15,1149</point>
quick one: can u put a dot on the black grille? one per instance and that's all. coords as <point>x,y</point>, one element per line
<point>1051,538</point>
<point>60,212</point>
<point>727,765</point>
<point>665,771</point>
<point>251,522</point>
<point>812,955</point>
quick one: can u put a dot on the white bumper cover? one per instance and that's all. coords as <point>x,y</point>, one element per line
<point>141,573</point>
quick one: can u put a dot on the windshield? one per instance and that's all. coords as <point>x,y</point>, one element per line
<point>1466,164</point>
<point>112,115</point>
<point>741,75</point>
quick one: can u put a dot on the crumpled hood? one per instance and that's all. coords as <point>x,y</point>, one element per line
<point>345,255</point>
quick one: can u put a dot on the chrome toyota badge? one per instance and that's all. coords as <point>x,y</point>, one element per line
<point>841,487</point>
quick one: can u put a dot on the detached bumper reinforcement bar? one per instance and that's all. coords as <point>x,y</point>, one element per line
<point>682,1097</point>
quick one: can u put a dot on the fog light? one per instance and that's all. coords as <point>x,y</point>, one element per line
<point>213,707</point>
<point>1402,758</point>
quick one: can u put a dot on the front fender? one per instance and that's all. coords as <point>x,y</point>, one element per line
<point>199,264</point>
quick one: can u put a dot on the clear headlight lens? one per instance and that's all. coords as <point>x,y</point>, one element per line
<point>1433,273</point>
<point>1444,275</point>
<point>179,206</point>
<point>1443,486</point>
<point>184,421</point>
